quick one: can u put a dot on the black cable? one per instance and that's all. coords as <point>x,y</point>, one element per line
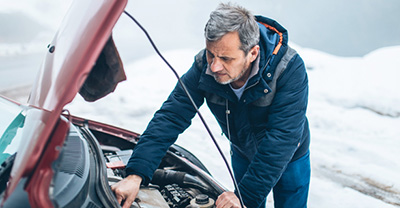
<point>194,105</point>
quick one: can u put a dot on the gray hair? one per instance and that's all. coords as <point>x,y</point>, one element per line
<point>230,18</point>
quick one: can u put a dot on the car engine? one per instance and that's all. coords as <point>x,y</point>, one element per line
<point>169,187</point>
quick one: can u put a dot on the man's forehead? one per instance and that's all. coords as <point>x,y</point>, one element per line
<point>222,53</point>
<point>224,46</point>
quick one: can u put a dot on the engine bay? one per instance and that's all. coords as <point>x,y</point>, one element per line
<point>171,186</point>
<point>94,157</point>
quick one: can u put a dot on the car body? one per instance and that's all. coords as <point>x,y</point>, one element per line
<point>53,159</point>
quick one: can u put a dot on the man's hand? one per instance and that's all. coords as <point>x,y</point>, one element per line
<point>228,199</point>
<point>127,189</point>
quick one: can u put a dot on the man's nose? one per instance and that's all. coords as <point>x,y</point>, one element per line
<point>216,65</point>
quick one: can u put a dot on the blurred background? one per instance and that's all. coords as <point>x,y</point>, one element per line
<point>341,28</point>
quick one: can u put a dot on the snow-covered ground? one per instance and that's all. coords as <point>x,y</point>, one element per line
<point>353,113</point>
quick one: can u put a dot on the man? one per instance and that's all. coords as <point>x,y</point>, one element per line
<point>256,86</point>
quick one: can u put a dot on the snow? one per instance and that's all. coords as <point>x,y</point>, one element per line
<point>353,115</point>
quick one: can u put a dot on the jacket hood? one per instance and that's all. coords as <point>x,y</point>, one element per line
<point>273,41</point>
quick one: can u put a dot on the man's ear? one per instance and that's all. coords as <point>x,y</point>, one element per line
<point>253,53</point>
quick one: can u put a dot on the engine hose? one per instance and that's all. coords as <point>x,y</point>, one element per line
<point>163,177</point>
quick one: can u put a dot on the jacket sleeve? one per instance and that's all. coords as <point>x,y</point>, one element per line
<point>169,121</point>
<point>283,134</point>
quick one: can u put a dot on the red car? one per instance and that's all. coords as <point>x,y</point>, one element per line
<point>50,158</point>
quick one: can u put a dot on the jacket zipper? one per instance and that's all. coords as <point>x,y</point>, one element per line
<point>227,112</point>
<point>248,87</point>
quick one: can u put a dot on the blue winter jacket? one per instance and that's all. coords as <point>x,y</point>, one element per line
<point>268,125</point>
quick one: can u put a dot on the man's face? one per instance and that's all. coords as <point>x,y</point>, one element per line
<point>227,61</point>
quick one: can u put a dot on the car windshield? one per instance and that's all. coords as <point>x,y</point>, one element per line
<point>11,122</point>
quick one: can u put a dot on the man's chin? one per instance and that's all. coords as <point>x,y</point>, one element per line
<point>223,82</point>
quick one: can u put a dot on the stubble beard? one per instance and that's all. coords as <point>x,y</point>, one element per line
<point>230,80</point>
<point>233,79</point>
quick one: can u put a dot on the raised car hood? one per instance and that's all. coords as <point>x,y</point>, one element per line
<point>70,57</point>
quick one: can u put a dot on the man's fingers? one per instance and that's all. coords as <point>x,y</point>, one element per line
<point>128,202</point>
<point>221,201</point>
<point>227,199</point>
<point>119,198</point>
<point>126,190</point>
